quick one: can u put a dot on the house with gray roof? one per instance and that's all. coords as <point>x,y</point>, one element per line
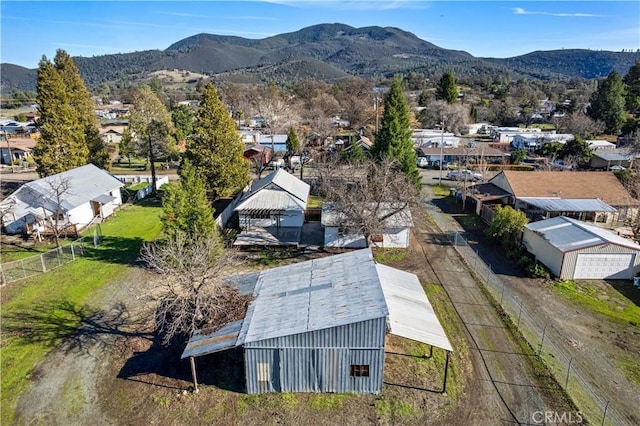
<point>271,212</point>
<point>573,249</point>
<point>77,196</point>
<point>320,325</point>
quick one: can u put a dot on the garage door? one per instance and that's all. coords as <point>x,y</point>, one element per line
<point>613,266</point>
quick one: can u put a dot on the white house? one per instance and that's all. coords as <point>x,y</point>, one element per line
<point>275,205</point>
<point>77,195</point>
<point>572,249</point>
<point>339,233</point>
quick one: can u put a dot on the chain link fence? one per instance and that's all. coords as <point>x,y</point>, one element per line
<point>49,260</point>
<point>557,351</point>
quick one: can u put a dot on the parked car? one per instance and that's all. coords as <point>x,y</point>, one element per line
<point>436,164</point>
<point>423,162</point>
<point>617,168</point>
<point>464,175</point>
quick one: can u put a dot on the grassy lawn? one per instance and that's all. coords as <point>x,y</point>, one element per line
<point>50,303</point>
<point>9,252</point>
<point>603,300</point>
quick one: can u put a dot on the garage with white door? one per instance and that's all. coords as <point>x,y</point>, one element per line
<point>572,249</point>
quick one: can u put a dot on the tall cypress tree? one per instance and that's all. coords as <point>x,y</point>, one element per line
<point>61,145</point>
<point>394,139</point>
<point>607,104</point>
<point>447,89</point>
<point>293,143</point>
<point>216,147</point>
<point>632,80</point>
<point>186,207</point>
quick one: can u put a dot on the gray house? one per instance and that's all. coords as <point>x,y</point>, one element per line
<point>320,325</point>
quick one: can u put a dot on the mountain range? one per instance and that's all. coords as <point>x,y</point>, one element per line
<point>329,52</point>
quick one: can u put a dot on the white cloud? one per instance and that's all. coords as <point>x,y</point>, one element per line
<point>521,11</point>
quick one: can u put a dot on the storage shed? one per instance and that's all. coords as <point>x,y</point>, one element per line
<point>572,249</point>
<point>320,325</point>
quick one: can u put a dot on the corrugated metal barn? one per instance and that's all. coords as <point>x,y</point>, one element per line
<point>320,325</point>
<point>572,249</point>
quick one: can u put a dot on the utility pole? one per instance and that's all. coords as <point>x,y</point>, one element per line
<point>441,151</point>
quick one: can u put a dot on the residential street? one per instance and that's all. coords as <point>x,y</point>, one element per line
<point>507,389</point>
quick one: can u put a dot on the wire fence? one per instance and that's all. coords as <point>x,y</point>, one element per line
<point>49,260</point>
<point>570,369</point>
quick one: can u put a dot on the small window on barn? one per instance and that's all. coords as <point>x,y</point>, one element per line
<point>359,370</point>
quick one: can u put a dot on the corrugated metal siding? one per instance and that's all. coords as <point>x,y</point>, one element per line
<point>571,258</point>
<point>318,361</point>
<point>363,334</point>
<point>312,370</point>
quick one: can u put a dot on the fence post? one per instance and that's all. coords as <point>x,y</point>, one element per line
<point>566,381</point>
<point>44,266</point>
<point>95,238</point>
<point>520,314</point>
<point>73,254</point>
<point>604,415</point>
<point>544,330</point>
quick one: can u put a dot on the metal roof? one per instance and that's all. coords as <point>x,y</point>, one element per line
<point>614,155</point>
<point>279,190</point>
<point>202,344</point>
<point>410,313</point>
<point>568,234</point>
<point>85,184</point>
<point>333,216</point>
<point>569,204</point>
<point>324,293</point>
<point>314,295</point>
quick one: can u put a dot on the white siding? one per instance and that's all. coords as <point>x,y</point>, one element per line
<point>392,238</point>
<point>81,215</point>
<point>544,252</point>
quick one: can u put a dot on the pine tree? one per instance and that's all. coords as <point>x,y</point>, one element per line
<point>632,80</point>
<point>607,104</point>
<point>80,99</point>
<point>61,145</point>
<point>152,123</point>
<point>216,147</point>
<point>126,146</point>
<point>394,142</point>
<point>186,207</point>
<point>447,89</point>
<point>293,143</point>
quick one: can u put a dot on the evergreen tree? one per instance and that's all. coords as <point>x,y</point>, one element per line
<point>186,207</point>
<point>293,143</point>
<point>394,141</point>
<point>126,146</point>
<point>607,104</point>
<point>447,89</point>
<point>182,117</point>
<point>355,154</point>
<point>152,123</point>
<point>632,80</point>
<point>61,145</point>
<point>80,99</point>
<point>216,147</point>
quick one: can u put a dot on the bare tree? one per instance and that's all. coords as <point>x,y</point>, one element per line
<point>56,189</point>
<point>190,292</point>
<point>366,195</point>
<point>456,116</point>
<point>578,123</point>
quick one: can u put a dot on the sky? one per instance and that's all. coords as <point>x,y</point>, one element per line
<point>497,29</point>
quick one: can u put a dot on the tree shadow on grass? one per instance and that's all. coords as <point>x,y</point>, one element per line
<point>75,328</point>
<point>117,250</point>
<point>627,290</point>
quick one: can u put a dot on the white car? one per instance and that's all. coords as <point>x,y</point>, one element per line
<point>423,162</point>
<point>617,168</point>
<point>464,175</point>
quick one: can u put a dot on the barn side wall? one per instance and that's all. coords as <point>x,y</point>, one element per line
<point>318,361</point>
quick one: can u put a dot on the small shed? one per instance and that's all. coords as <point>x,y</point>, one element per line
<point>572,249</point>
<point>395,231</point>
<point>320,325</point>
